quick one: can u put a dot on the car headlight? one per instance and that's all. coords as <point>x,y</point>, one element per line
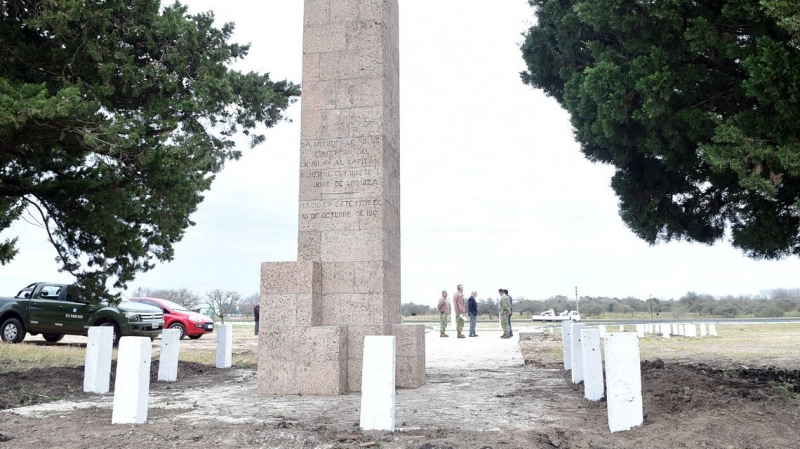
<point>196,319</point>
<point>132,316</point>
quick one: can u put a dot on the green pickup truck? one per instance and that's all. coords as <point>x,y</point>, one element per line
<point>55,310</point>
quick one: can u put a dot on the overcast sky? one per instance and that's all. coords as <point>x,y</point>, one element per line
<point>495,191</point>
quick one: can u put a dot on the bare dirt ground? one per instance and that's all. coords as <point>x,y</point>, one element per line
<point>480,393</point>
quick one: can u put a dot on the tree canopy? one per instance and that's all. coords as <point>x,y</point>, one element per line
<point>696,103</point>
<point>115,115</point>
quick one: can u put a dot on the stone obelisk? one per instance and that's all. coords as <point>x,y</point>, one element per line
<point>346,283</point>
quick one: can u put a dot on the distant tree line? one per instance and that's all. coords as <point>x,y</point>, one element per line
<point>219,303</point>
<point>412,309</point>
<point>771,303</point>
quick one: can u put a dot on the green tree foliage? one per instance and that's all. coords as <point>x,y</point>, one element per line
<point>695,102</point>
<point>115,115</point>
<point>787,13</point>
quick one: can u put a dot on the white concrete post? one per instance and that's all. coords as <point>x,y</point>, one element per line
<point>168,359</point>
<point>224,345</point>
<point>566,343</point>
<point>640,331</point>
<point>97,374</point>
<point>551,330</point>
<point>602,329</point>
<point>712,330</point>
<point>674,329</point>
<point>593,387</point>
<point>132,383</point>
<point>682,330</point>
<point>703,332</point>
<point>378,383</point>
<point>622,328</point>
<point>691,331</point>
<point>624,382</point>
<point>577,353</point>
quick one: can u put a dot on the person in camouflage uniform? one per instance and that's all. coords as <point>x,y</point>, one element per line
<point>460,309</point>
<point>444,313</point>
<point>505,311</point>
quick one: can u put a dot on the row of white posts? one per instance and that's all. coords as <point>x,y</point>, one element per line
<point>378,383</point>
<point>582,356</point>
<point>622,371</point>
<point>132,383</point>
<point>668,329</point>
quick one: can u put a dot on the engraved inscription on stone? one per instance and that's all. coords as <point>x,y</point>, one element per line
<point>341,166</point>
<point>358,152</point>
<point>343,178</point>
<point>339,214</point>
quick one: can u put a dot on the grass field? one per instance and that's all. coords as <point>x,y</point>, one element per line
<point>34,352</point>
<point>751,344</point>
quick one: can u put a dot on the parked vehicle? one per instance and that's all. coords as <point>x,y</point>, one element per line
<point>191,324</point>
<point>55,310</point>
<point>550,315</point>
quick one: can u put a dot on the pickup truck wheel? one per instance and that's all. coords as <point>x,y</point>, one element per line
<point>12,331</point>
<point>117,334</point>
<point>180,327</point>
<point>52,338</point>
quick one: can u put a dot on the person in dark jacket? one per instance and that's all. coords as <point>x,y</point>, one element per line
<point>472,309</point>
<point>257,316</point>
<point>511,305</point>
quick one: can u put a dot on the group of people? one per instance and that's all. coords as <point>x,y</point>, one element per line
<point>471,309</point>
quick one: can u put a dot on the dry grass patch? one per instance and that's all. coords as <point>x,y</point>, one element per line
<point>22,357</point>
<point>71,352</point>
<point>753,345</point>
<point>742,344</point>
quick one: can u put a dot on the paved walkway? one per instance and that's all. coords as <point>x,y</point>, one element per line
<point>472,383</point>
<point>486,351</point>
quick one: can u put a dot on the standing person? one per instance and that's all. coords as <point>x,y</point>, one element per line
<point>505,311</point>
<point>257,316</point>
<point>444,311</point>
<point>472,308</point>
<point>461,310</point>
<point>510,306</point>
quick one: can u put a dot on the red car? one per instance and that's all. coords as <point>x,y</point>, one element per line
<point>191,324</point>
